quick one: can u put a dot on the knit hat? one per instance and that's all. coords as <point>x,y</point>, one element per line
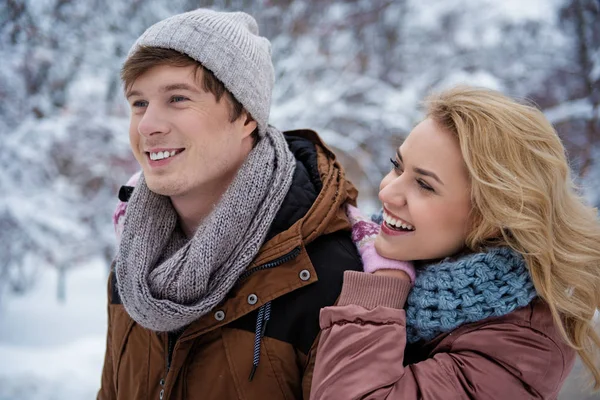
<point>226,43</point>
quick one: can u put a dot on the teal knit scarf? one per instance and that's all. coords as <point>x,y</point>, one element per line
<point>459,291</point>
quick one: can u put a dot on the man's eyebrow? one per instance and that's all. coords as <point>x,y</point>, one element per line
<point>167,88</point>
<point>132,93</point>
<point>421,171</point>
<point>178,86</point>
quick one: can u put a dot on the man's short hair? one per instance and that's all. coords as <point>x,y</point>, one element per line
<point>146,58</point>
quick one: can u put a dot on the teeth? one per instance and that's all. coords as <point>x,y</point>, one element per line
<point>162,155</point>
<point>398,223</point>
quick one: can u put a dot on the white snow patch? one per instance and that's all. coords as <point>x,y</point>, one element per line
<point>40,319</point>
<point>52,350</point>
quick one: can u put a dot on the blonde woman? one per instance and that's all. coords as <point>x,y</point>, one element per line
<point>506,260</point>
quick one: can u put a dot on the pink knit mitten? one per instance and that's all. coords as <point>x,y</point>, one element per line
<point>119,214</point>
<point>364,232</point>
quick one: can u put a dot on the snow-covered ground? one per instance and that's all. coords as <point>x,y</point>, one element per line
<point>50,350</point>
<point>348,69</point>
<point>54,351</point>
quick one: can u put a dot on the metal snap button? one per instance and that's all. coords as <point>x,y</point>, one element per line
<point>305,274</point>
<point>252,299</point>
<point>220,315</point>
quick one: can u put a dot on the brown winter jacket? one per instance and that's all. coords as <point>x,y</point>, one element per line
<point>299,269</point>
<point>363,353</point>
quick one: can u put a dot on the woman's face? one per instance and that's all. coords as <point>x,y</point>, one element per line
<point>426,197</point>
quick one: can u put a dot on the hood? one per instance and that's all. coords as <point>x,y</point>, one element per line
<point>314,205</point>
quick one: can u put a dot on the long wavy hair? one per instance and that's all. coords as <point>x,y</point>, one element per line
<point>523,196</point>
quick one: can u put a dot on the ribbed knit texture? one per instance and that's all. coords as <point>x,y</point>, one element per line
<point>226,43</point>
<point>471,288</point>
<point>167,281</point>
<point>370,291</point>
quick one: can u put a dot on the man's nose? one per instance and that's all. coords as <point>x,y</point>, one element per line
<point>153,122</point>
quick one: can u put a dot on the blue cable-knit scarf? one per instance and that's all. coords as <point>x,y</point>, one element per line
<point>468,289</point>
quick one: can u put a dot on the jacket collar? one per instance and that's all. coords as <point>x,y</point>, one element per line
<point>320,213</point>
<point>305,187</point>
<point>308,214</point>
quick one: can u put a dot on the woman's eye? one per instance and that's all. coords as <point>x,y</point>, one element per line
<point>396,165</point>
<point>423,185</point>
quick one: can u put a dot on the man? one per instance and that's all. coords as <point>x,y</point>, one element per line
<point>235,234</point>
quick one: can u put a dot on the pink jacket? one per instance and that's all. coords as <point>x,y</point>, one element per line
<point>363,352</point>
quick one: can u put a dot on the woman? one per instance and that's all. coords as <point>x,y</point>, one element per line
<point>506,265</point>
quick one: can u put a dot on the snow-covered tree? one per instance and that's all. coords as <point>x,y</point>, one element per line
<point>355,71</point>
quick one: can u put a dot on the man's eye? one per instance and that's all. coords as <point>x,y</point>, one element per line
<point>178,99</point>
<point>140,103</point>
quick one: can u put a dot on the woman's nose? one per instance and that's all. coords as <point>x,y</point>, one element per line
<point>393,193</point>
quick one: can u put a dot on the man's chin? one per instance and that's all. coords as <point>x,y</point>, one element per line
<point>160,188</point>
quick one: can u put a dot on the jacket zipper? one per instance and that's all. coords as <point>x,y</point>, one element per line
<point>170,347</point>
<point>272,264</point>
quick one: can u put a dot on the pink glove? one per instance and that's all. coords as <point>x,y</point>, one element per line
<point>364,232</point>
<point>119,214</point>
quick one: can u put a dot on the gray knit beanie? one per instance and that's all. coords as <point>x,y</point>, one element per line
<point>226,43</point>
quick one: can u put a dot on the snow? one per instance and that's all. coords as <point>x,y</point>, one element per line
<point>54,350</point>
<point>354,71</point>
<point>529,10</point>
<point>64,372</point>
<point>580,108</point>
<point>476,78</point>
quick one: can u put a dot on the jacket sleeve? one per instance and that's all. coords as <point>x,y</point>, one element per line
<point>309,369</point>
<point>107,387</point>
<point>362,346</point>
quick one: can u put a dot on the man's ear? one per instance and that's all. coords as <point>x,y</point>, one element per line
<point>249,124</point>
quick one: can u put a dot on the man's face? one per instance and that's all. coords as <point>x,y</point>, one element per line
<point>181,136</point>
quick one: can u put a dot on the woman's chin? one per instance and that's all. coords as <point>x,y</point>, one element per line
<point>389,250</point>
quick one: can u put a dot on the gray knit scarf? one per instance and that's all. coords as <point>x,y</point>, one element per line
<point>167,281</point>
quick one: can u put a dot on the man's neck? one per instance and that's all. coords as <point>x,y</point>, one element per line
<point>192,208</point>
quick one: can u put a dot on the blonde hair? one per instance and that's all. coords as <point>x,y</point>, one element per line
<point>523,197</point>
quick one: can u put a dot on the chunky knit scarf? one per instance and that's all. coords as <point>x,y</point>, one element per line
<point>167,281</point>
<point>468,289</point>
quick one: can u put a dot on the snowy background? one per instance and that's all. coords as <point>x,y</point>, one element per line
<point>354,71</point>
